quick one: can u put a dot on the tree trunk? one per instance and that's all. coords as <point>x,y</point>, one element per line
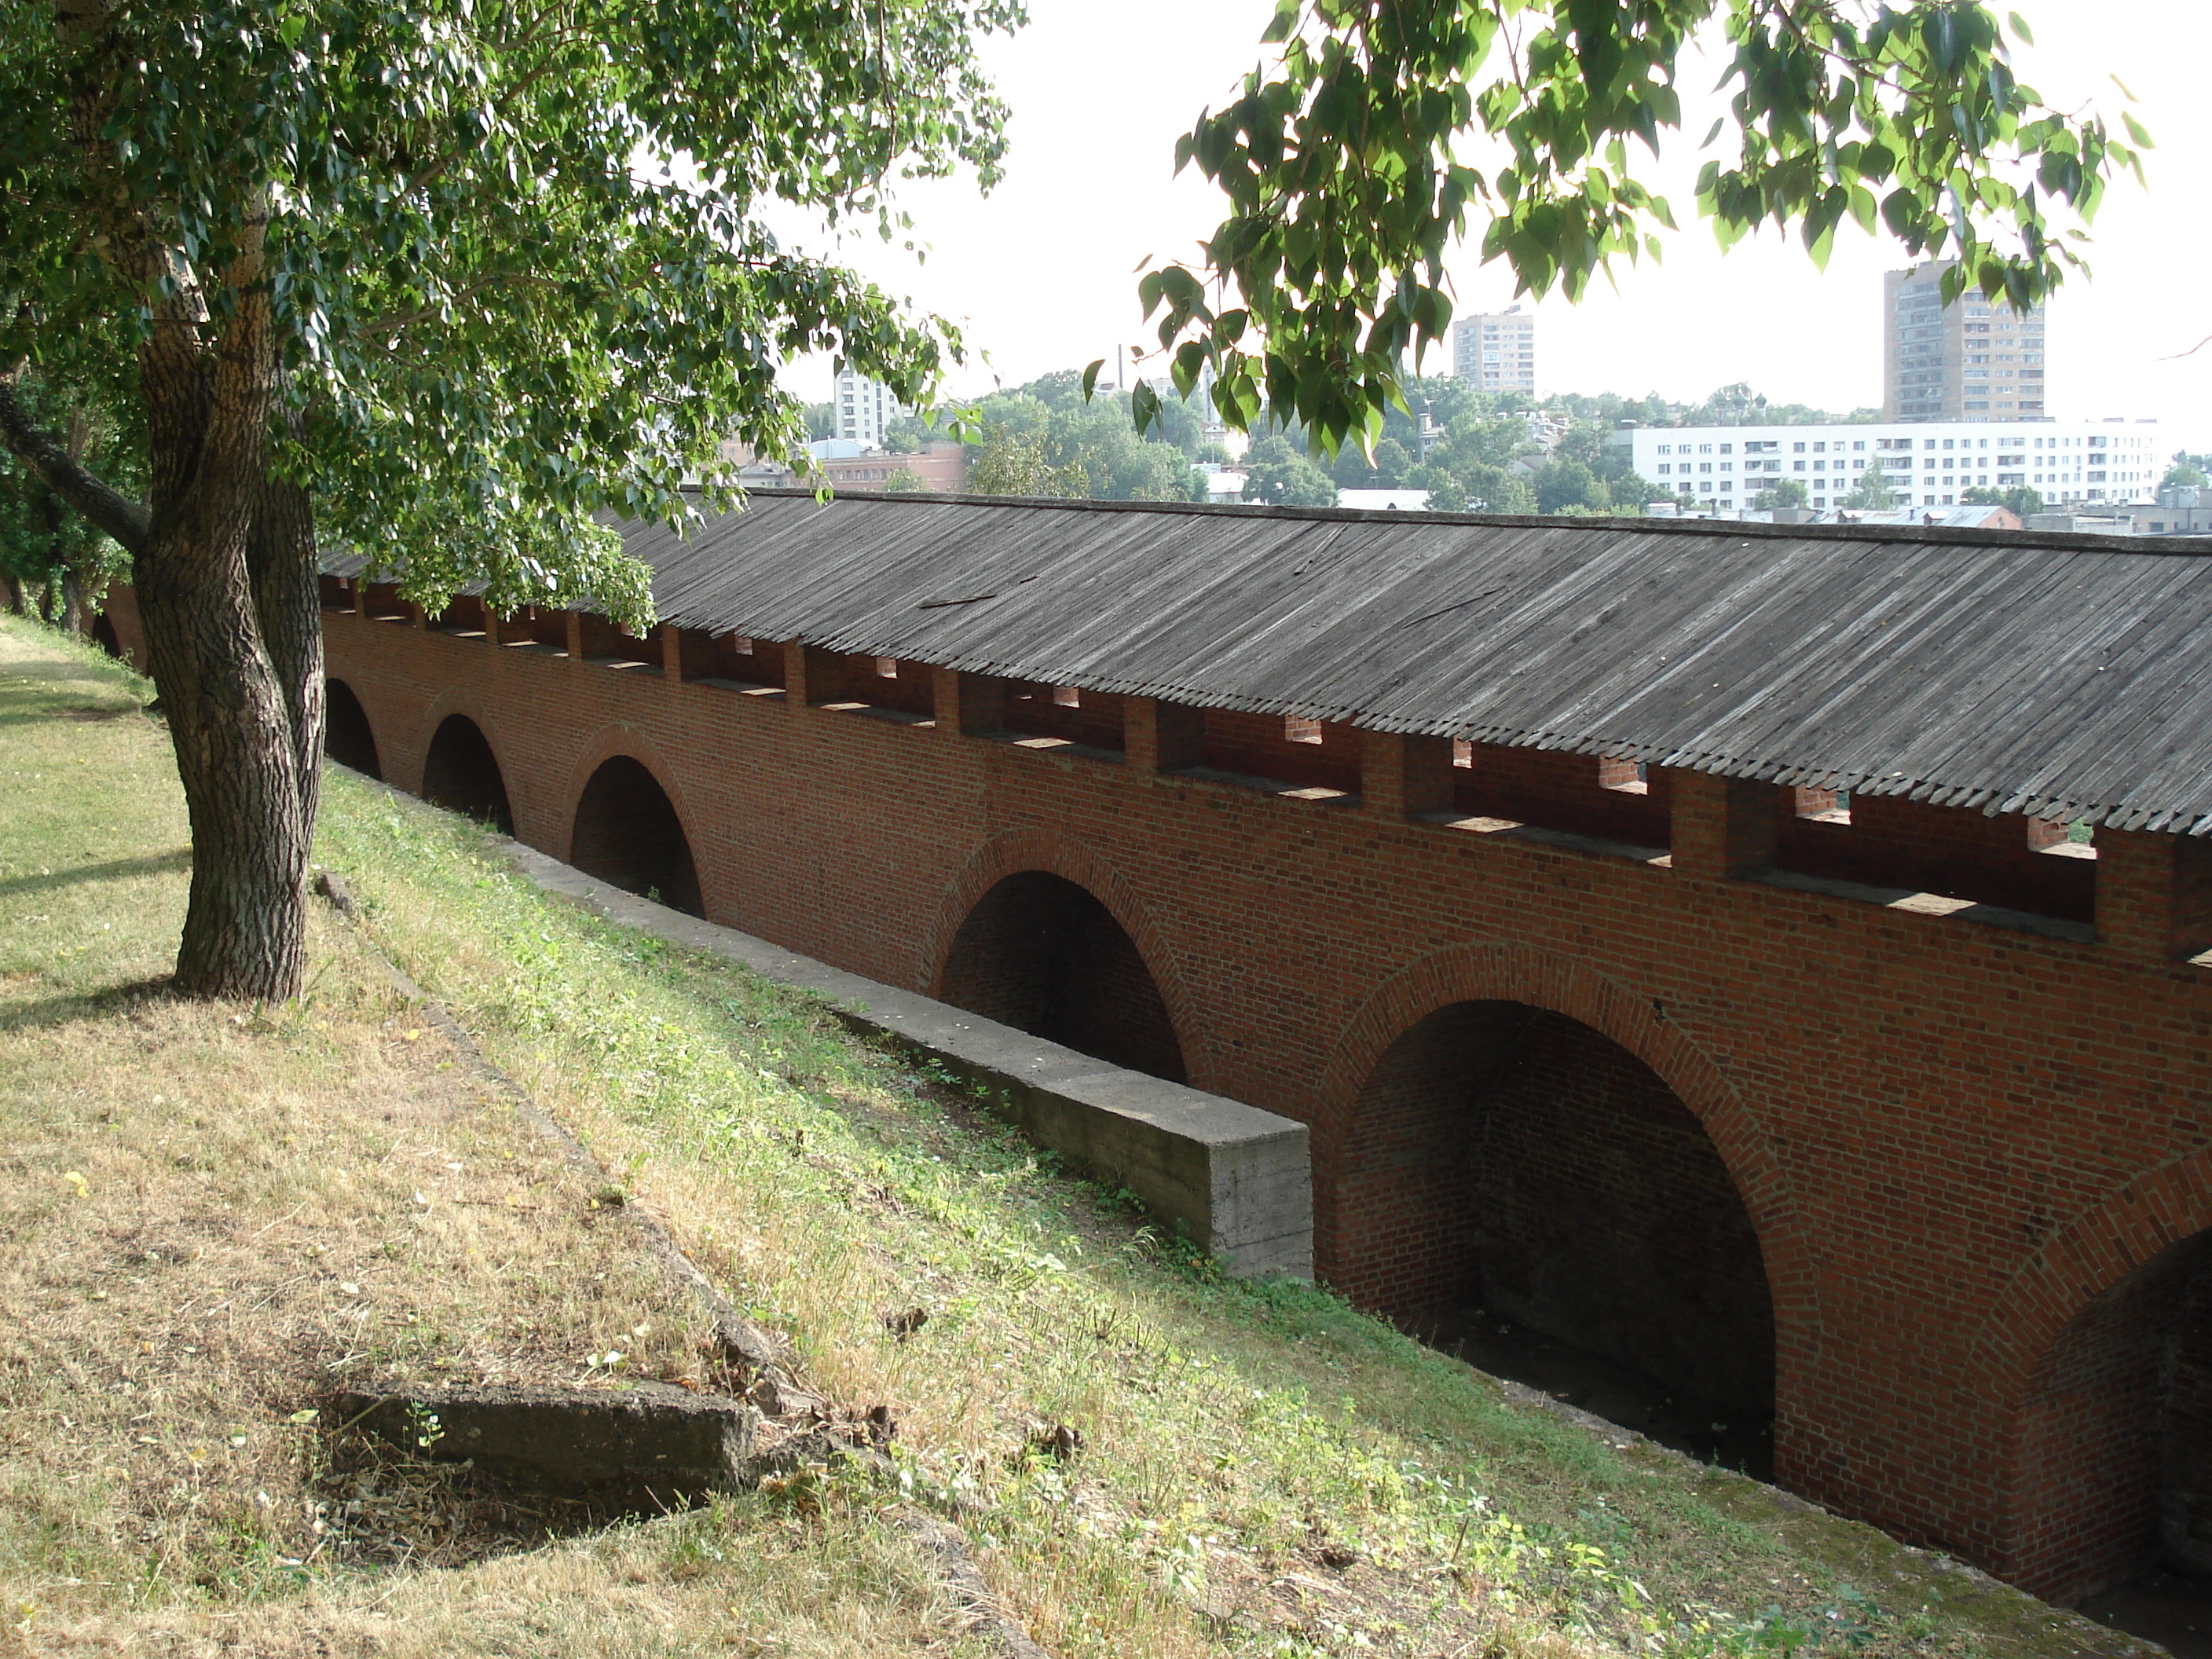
<point>76,617</point>
<point>209,400</point>
<point>283,567</point>
<point>245,925</point>
<point>12,590</point>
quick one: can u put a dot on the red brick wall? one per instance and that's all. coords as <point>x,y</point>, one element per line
<point>1555,790</point>
<point>2091,1438</point>
<point>1512,1159</point>
<point>1041,955</point>
<point>121,610</point>
<point>1893,842</point>
<point>1257,746</point>
<point>1950,1138</point>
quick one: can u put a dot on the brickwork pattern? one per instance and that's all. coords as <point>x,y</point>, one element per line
<point>1041,955</point>
<point>1949,1138</point>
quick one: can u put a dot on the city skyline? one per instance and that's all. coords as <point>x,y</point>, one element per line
<point>1041,274</point>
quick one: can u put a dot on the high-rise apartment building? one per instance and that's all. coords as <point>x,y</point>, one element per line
<point>1968,361</point>
<point>864,409</point>
<point>1495,351</point>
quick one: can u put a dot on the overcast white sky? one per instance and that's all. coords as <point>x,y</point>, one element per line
<point>1040,273</point>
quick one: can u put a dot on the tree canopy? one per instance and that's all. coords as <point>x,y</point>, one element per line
<point>1346,164</point>
<point>508,258</point>
<point>1048,438</point>
<point>1279,474</point>
<point>2188,470</point>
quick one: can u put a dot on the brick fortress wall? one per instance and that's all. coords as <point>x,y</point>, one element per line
<point>1495,982</point>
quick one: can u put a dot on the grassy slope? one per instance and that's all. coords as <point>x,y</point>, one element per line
<point>1264,1470</point>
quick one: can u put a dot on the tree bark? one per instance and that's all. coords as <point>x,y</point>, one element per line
<point>210,393</point>
<point>12,590</point>
<point>283,567</point>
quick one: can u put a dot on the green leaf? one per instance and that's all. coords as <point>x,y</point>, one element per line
<point>1090,377</point>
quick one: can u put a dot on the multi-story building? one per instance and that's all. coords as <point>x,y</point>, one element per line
<point>1495,351</point>
<point>1969,360</point>
<point>864,409</point>
<point>1924,465</point>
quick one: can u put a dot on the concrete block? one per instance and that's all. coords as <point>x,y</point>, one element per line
<point>648,1446</point>
<point>1238,1178</point>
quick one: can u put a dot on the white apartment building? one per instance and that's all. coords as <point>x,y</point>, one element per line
<point>1495,351</point>
<point>864,409</point>
<point>1927,463</point>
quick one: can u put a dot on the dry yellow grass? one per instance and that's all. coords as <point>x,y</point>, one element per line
<point>276,1200</point>
<point>210,1216</point>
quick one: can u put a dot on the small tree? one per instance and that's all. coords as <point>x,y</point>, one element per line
<point>1567,484</point>
<point>1783,492</point>
<point>50,558</point>
<point>1007,463</point>
<point>1277,474</point>
<point>2188,470</point>
<point>2019,500</point>
<point>1869,492</point>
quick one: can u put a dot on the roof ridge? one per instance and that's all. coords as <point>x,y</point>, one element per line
<point>1916,535</point>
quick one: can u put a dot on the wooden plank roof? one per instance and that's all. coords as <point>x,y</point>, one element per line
<point>2061,675</point>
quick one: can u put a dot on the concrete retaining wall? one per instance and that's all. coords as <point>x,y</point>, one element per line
<point>1239,1179</point>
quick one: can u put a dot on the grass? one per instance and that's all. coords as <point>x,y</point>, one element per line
<point>213,1215</point>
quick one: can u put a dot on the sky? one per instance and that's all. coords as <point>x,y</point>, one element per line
<point>1041,274</point>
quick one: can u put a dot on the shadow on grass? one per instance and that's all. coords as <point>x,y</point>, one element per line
<point>79,1005</point>
<point>114,870</point>
<point>92,714</point>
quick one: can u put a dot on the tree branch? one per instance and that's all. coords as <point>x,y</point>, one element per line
<point>106,508</point>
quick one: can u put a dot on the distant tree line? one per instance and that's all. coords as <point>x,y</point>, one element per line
<point>1471,451</point>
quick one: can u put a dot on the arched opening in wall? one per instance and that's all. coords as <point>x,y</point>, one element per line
<point>628,834</point>
<point>2112,1505</point>
<point>461,774</point>
<point>1041,954</point>
<point>347,737</point>
<point>1516,1188</point>
<point>103,635</point>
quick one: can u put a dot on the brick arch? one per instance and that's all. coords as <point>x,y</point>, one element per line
<point>334,735</point>
<point>619,737</point>
<point>455,700</point>
<point>1017,851</point>
<point>2037,1540</point>
<point>2102,1245</point>
<point>1638,1023</point>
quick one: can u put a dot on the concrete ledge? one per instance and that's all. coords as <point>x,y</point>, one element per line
<point>1238,1178</point>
